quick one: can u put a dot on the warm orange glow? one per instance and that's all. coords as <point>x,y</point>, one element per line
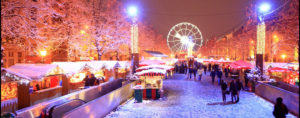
<point>8,91</point>
<point>82,31</point>
<point>43,53</point>
<point>283,56</point>
<point>78,77</point>
<point>275,36</point>
<point>86,27</point>
<point>252,41</point>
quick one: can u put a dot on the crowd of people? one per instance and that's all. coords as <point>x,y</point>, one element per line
<point>192,68</point>
<point>91,80</point>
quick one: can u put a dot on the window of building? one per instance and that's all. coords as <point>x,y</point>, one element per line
<point>19,54</point>
<point>19,60</point>
<point>10,62</point>
<point>11,54</point>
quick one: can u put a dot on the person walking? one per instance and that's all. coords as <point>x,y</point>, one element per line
<point>233,91</point>
<point>280,110</point>
<point>246,81</point>
<point>204,67</point>
<point>209,67</point>
<point>219,75</point>
<point>226,70</point>
<point>239,86</point>
<point>200,71</point>
<point>213,75</point>
<point>224,88</point>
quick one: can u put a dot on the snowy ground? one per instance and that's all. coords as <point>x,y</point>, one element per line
<point>194,99</point>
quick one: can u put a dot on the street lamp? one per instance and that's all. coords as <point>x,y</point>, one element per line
<point>263,9</point>
<point>133,12</point>
<point>283,56</point>
<point>43,53</point>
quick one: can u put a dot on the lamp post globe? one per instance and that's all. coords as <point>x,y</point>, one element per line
<point>132,11</point>
<point>264,8</point>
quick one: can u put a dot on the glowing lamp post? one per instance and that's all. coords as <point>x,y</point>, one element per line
<point>283,57</point>
<point>261,35</point>
<point>43,53</point>
<point>132,12</point>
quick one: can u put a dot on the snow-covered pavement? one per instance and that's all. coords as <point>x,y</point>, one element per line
<point>195,99</point>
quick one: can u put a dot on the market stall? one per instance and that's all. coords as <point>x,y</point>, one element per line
<point>284,75</point>
<point>44,84</point>
<point>151,82</point>
<point>9,91</point>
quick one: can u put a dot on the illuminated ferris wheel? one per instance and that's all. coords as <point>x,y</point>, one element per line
<point>184,37</point>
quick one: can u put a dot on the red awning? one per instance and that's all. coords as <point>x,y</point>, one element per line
<point>241,65</point>
<point>278,69</point>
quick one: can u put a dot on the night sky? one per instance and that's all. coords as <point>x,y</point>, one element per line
<point>212,17</point>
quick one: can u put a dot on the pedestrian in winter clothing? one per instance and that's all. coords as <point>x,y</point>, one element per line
<point>246,79</point>
<point>226,70</point>
<point>219,75</point>
<point>86,81</point>
<point>224,88</point>
<point>233,91</point>
<point>93,80</point>
<point>280,110</point>
<point>239,86</point>
<point>204,67</point>
<point>213,75</point>
<point>200,71</point>
<point>209,67</point>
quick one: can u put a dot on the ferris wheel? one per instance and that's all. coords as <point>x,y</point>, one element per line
<point>183,37</point>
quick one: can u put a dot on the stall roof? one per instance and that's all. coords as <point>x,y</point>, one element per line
<point>161,71</point>
<point>33,71</point>
<point>4,70</point>
<point>156,53</point>
<point>75,67</point>
<point>70,67</point>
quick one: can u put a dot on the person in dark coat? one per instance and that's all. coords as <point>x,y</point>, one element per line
<point>213,75</point>
<point>280,110</point>
<point>219,75</point>
<point>209,67</point>
<point>246,79</point>
<point>239,86</point>
<point>93,80</point>
<point>86,81</point>
<point>226,70</point>
<point>204,67</point>
<point>224,88</point>
<point>233,90</point>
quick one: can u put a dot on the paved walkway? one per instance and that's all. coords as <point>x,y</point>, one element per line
<point>193,99</point>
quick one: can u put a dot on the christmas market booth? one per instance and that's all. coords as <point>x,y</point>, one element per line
<point>102,70</point>
<point>75,72</point>
<point>150,84</point>
<point>109,69</point>
<point>44,84</point>
<point>9,91</point>
<point>284,75</point>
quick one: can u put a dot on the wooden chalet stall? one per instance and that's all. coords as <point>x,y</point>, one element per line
<point>9,90</point>
<point>75,72</point>
<point>151,82</point>
<point>44,84</point>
